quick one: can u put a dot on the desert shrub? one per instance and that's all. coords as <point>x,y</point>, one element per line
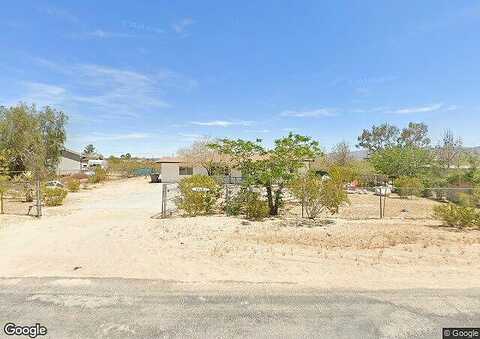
<point>409,186</point>
<point>319,194</point>
<point>99,176</point>
<point>249,203</point>
<point>73,185</point>
<point>234,206</point>
<point>198,194</point>
<point>255,207</point>
<point>54,196</point>
<point>458,216</point>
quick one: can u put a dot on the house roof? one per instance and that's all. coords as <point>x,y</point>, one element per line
<point>70,154</point>
<point>173,160</point>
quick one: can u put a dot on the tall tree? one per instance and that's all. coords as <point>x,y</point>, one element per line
<point>272,168</point>
<point>416,135</point>
<point>30,139</point>
<point>449,151</point>
<point>401,161</point>
<point>89,150</point>
<point>379,137</point>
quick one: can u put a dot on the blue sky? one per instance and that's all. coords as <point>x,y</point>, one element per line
<point>148,77</point>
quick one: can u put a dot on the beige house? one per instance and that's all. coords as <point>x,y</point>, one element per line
<point>69,162</point>
<point>173,169</point>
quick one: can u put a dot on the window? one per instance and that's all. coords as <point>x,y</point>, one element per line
<point>183,170</point>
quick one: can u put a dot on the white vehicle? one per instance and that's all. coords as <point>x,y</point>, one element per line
<point>54,184</point>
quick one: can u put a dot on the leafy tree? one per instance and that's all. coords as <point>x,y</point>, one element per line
<point>272,168</point>
<point>89,149</point>
<point>30,139</point>
<point>448,152</point>
<point>52,127</point>
<point>415,135</point>
<point>126,156</point>
<point>401,161</point>
<point>379,137</point>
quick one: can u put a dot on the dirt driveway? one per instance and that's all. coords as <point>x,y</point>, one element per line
<point>108,232</point>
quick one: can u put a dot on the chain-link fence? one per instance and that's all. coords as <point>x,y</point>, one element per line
<point>408,203</point>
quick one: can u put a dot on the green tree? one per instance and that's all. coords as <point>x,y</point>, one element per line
<point>415,135</point>
<point>401,161</point>
<point>30,139</point>
<point>273,168</point>
<point>89,150</point>
<point>379,137</point>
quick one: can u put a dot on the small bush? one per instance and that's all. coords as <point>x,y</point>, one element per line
<point>255,208</point>
<point>409,186</point>
<point>73,185</point>
<point>234,206</point>
<point>319,194</point>
<point>99,176</point>
<point>198,194</point>
<point>458,216</point>
<point>54,196</point>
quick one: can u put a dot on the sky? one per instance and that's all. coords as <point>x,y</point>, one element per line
<point>150,77</point>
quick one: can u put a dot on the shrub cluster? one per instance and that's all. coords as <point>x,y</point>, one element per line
<point>319,194</point>
<point>409,186</point>
<point>54,196</point>
<point>249,203</point>
<point>73,184</point>
<point>198,195</point>
<point>255,208</point>
<point>458,216</point>
<point>99,176</point>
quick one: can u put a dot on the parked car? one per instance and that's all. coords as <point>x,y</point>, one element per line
<point>54,184</point>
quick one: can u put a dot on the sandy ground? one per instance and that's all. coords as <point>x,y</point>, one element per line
<point>108,232</point>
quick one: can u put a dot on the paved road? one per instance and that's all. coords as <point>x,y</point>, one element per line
<point>118,308</point>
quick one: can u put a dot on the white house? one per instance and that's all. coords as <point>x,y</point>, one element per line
<point>173,169</point>
<point>69,162</point>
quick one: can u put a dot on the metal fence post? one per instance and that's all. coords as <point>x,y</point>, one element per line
<point>39,197</point>
<point>227,197</point>
<point>164,200</point>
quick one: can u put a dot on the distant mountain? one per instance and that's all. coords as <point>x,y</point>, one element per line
<point>475,150</point>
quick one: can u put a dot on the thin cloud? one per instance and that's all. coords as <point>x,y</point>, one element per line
<point>321,112</point>
<point>181,26</point>
<point>418,109</point>
<point>101,34</point>
<point>222,123</point>
<point>95,137</point>
<point>106,91</point>
<point>140,27</point>
<point>60,13</point>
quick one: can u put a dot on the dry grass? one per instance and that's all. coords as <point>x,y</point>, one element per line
<point>359,236</point>
<point>367,206</point>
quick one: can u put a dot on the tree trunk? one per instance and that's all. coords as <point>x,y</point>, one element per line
<point>270,199</point>
<point>278,200</point>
